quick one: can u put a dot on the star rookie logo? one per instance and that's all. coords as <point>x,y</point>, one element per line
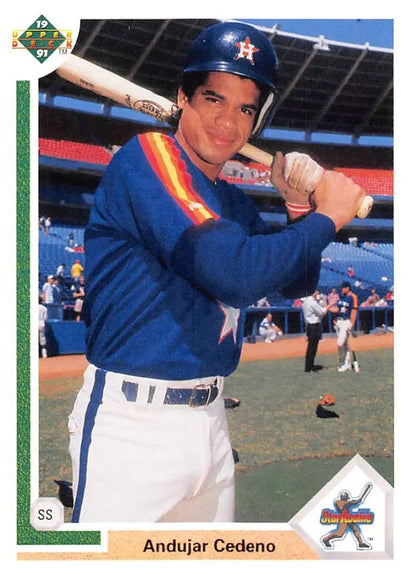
<point>347,521</point>
<point>246,50</point>
<point>41,39</point>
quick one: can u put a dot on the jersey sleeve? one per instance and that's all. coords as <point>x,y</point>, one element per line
<point>234,262</point>
<point>239,269</point>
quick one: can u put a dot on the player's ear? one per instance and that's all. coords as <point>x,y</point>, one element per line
<point>182,99</point>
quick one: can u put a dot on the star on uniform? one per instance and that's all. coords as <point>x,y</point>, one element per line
<point>230,325</point>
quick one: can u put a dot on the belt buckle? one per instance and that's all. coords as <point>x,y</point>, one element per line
<point>199,387</point>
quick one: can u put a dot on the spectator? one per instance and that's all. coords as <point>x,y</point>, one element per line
<point>70,239</point>
<point>263,303</point>
<point>333,296</point>
<point>50,292</point>
<point>76,270</point>
<point>390,294</point>
<point>269,330</point>
<point>297,303</point>
<point>313,313</point>
<point>47,225</point>
<point>79,296</point>
<point>43,316</point>
<point>372,299</point>
<point>60,274</point>
<point>350,271</point>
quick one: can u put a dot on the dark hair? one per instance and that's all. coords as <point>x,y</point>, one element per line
<point>190,81</point>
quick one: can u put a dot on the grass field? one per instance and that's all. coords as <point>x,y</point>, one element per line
<point>286,453</point>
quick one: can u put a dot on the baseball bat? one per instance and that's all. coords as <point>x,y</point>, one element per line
<point>367,488</point>
<point>110,85</point>
<point>355,363</point>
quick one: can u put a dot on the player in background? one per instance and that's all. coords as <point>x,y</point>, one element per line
<point>346,317</point>
<point>175,255</point>
<point>269,330</point>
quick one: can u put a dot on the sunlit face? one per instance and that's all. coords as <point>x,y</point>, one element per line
<point>218,120</point>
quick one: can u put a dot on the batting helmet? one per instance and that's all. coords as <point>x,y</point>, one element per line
<point>344,496</point>
<point>240,49</point>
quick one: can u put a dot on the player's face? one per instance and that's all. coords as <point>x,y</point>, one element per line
<point>218,120</point>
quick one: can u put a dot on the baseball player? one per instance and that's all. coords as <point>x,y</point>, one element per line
<point>174,256</point>
<point>346,316</point>
<point>269,330</point>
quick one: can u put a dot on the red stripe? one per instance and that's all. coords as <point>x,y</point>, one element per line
<point>157,161</point>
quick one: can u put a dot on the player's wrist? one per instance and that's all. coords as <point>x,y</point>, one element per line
<point>297,211</point>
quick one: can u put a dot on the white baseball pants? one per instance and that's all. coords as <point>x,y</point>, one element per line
<point>268,334</point>
<point>343,329</point>
<point>135,461</point>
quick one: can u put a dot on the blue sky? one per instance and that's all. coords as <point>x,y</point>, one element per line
<point>378,32</point>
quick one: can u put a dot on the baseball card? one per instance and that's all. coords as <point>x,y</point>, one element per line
<point>204,246</point>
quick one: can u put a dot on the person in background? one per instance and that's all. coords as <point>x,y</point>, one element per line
<point>269,330</point>
<point>313,314</point>
<point>43,316</point>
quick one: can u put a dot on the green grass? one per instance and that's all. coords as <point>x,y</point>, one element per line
<point>276,420</point>
<point>286,453</point>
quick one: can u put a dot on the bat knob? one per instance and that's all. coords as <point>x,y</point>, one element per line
<point>365,207</point>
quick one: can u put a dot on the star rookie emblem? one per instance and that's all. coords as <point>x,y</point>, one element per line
<point>230,325</point>
<point>246,50</point>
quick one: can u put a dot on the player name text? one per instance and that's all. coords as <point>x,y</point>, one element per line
<point>219,545</point>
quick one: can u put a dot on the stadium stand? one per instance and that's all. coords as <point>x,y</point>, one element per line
<point>74,151</point>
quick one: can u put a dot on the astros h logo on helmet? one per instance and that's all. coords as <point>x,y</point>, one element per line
<point>246,50</point>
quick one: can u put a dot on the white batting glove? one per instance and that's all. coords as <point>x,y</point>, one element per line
<point>296,176</point>
<point>302,172</point>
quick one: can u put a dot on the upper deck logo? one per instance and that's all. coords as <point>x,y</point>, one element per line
<point>348,521</point>
<point>41,39</point>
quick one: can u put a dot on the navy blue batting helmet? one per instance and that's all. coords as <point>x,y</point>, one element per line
<point>240,49</point>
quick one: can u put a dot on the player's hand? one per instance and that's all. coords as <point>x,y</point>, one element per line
<point>338,197</point>
<point>296,175</point>
<point>291,177</point>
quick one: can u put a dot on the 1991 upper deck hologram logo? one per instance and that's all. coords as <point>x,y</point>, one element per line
<point>41,39</point>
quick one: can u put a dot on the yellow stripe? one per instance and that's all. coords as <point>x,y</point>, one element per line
<point>173,174</point>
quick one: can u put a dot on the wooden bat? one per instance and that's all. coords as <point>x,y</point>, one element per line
<point>110,85</point>
<point>355,363</point>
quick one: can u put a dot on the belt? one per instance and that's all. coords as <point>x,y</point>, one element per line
<point>199,395</point>
<point>154,392</point>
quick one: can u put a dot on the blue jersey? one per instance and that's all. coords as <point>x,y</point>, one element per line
<point>172,259</point>
<point>346,304</point>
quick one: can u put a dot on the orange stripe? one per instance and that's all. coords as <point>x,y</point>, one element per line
<point>164,158</point>
<point>180,188</point>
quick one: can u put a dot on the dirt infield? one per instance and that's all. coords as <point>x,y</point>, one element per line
<point>286,347</point>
